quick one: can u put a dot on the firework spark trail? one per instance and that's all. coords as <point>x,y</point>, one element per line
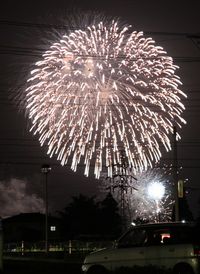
<point>102,90</point>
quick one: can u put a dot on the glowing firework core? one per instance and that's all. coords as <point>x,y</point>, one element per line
<point>156,191</point>
<point>102,90</point>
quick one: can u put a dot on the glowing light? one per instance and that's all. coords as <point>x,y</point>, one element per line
<point>99,90</point>
<point>156,190</point>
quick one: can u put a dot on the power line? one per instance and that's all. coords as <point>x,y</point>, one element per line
<point>82,165</point>
<point>67,27</point>
<point>196,141</point>
<point>39,52</point>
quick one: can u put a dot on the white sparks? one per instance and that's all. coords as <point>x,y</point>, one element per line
<point>98,91</point>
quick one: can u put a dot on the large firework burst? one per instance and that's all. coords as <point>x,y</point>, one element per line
<point>101,90</point>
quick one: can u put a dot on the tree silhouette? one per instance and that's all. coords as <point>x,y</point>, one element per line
<point>198,217</point>
<point>184,210</point>
<point>85,216</point>
<point>111,221</point>
<point>80,217</point>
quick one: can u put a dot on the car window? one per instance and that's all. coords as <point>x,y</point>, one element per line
<point>166,235</point>
<point>133,238</point>
<point>170,236</point>
<point>157,236</point>
<point>182,235</point>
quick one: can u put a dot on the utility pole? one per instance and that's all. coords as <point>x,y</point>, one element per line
<point>46,169</point>
<point>175,176</point>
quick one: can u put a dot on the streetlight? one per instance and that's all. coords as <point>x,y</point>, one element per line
<point>46,169</point>
<point>156,191</point>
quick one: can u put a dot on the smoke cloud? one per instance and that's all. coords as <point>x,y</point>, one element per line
<point>15,198</point>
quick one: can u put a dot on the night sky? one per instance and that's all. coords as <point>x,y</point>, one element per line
<point>24,28</point>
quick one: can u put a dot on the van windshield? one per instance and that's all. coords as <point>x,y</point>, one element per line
<point>162,235</point>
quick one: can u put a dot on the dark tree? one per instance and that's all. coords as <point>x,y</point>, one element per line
<point>81,217</point>
<point>198,217</point>
<point>86,217</point>
<point>111,222</point>
<point>184,211</point>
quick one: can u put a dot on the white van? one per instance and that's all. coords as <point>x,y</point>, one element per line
<point>168,246</point>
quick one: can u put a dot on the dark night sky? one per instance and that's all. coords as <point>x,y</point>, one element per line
<point>21,155</point>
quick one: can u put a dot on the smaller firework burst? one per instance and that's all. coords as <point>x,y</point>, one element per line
<point>146,196</point>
